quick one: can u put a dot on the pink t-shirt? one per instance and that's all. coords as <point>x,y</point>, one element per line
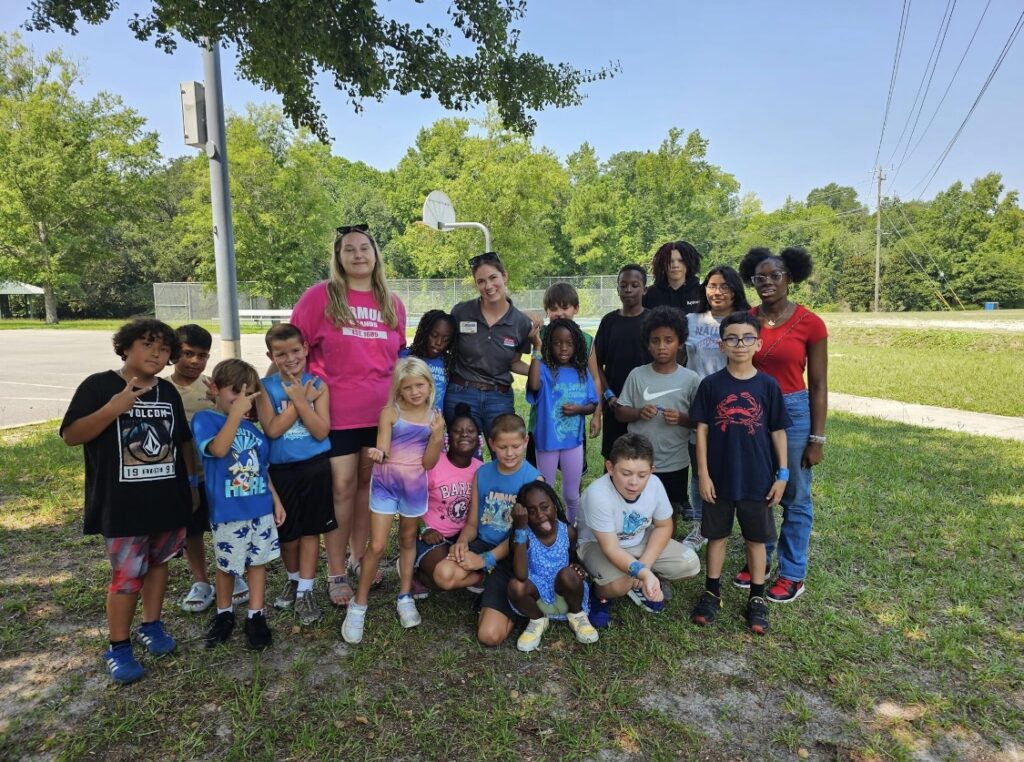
<point>448,494</point>
<point>356,360</point>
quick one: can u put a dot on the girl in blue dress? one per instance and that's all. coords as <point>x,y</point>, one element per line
<point>548,582</point>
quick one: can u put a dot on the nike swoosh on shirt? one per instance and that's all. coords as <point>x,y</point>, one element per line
<point>649,397</point>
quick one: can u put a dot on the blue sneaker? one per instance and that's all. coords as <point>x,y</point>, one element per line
<point>155,638</point>
<point>124,667</point>
<point>600,611</point>
<point>641,600</point>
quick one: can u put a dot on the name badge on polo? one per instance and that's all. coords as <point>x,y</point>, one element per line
<point>509,341</point>
<point>467,326</point>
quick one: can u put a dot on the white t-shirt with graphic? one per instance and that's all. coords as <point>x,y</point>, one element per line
<point>603,509</point>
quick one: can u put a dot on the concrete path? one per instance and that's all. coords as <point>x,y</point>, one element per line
<point>981,424</point>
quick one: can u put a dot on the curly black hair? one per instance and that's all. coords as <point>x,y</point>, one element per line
<point>147,329</point>
<point>732,280</point>
<point>665,317</point>
<point>420,341</point>
<point>579,353</point>
<point>795,259</point>
<point>463,410</point>
<point>548,490</point>
<point>691,258</point>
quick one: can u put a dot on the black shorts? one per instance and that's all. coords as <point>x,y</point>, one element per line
<point>306,493</point>
<point>350,441</point>
<point>677,485</point>
<point>611,429</point>
<point>200,520</point>
<point>757,524</point>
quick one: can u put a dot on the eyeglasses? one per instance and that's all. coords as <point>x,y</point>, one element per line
<point>775,276</point>
<point>735,341</point>
<point>487,256</point>
<point>722,289</point>
<point>346,229</point>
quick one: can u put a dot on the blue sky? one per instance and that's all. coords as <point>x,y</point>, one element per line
<point>790,95</point>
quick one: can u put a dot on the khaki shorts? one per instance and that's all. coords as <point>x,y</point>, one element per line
<point>675,562</point>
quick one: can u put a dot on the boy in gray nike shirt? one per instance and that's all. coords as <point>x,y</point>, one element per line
<point>655,401</point>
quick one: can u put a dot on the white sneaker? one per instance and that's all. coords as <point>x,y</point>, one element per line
<point>241,592</point>
<point>530,639</point>
<point>695,539</point>
<point>407,613</point>
<point>581,626</point>
<point>352,627</point>
<point>199,598</point>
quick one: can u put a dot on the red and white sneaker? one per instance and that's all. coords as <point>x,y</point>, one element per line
<point>785,590</point>
<point>743,578</point>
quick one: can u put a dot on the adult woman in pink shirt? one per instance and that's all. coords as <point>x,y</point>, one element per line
<point>354,327</point>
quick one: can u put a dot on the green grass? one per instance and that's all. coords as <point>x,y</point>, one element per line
<point>967,370</point>
<point>908,639</point>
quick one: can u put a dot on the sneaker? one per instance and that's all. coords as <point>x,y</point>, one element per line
<point>641,600</point>
<point>666,588</point>
<point>155,638</point>
<point>352,627</point>
<point>706,609</point>
<point>257,632</point>
<point>220,629</point>
<point>307,609</point>
<point>580,624</point>
<point>530,639</point>
<point>600,611</point>
<point>407,613</point>
<point>124,667</point>
<point>742,578</point>
<point>785,590</point>
<point>757,615</point>
<point>286,598</point>
<point>696,540</point>
<point>199,598</point>
<point>240,595</point>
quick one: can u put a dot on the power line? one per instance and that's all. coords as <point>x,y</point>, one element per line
<point>900,36</point>
<point>920,266</point>
<point>928,252</point>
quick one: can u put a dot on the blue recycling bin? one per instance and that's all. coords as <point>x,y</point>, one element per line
<point>991,305</point>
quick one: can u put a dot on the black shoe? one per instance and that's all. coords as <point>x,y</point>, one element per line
<point>257,632</point>
<point>220,629</point>
<point>757,615</point>
<point>706,609</point>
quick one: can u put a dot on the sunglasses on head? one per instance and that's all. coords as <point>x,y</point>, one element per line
<point>487,256</point>
<point>346,229</point>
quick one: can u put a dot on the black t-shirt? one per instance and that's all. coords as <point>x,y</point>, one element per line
<point>619,347</point>
<point>741,414</point>
<point>685,298</point>
<point>135,478</point>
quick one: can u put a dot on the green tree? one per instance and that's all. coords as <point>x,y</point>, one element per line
<point>70,171</point>
<point>284,47</point>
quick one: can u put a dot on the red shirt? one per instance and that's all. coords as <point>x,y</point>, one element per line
<point>783,354</point>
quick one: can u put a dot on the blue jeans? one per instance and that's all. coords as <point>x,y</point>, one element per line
<point>484,407</point>
<point>797,510</point>
<point>695,502</point>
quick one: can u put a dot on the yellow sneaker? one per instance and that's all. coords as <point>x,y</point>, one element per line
<point>530,639</point>
<point>580,624</point>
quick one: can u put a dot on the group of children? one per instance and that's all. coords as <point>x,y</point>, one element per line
<point>160,472</point>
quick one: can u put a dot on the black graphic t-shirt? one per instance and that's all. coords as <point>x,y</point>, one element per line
<point>741,415</point>
<point>135,477</point>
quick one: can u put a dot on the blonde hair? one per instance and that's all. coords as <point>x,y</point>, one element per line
<point>412,366</point>
<point>337,310</point>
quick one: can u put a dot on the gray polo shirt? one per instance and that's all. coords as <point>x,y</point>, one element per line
<point>483,353</point>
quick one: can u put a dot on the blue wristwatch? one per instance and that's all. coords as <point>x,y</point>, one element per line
<point>782,474</point>
<point>489,562</point>
<point>521,536</point>
<point>635,568</point>
<point>193,481</point>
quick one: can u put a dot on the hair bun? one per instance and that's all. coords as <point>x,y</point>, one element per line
<point>462,410</point>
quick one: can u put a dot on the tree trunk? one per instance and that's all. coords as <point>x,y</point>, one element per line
<point>50,302</point>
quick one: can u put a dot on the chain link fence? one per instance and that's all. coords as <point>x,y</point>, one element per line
<point>178,303</point>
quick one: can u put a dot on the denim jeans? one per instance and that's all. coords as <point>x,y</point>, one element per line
<point>695,502</point>
<point>797,510</point>
<point>484,407</point>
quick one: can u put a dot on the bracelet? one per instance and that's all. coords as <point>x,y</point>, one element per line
<point>815,439</point>
<point>521,536</point>
<point>489,562</point>
<point>782,474</point>
<point>537,356</point>
<point>635,568</point>
<point>609,394</point>
<point>193,481</point>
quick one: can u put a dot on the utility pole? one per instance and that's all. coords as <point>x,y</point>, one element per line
<point>878,239</point>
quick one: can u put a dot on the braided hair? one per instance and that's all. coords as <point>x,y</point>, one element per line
<point>691,259</point>
<point>579,352</point>
<point>420,343</point>
<point>548,490</point>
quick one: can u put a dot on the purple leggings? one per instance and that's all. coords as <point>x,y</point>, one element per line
<point>570,462</point>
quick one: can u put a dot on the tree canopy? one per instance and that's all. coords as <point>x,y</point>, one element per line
<point>284,47</point>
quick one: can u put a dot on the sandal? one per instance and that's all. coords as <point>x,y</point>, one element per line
<point>355,567</point>
<point>339,591</point>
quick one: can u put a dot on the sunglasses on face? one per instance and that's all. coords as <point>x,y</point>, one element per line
<point>775,276</point>
<point>346,229</point>
<point>485,258</point>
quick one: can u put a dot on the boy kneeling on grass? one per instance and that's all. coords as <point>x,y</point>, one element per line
<point>139,465</point>
<point>741,418</point>
<point>625,533</point>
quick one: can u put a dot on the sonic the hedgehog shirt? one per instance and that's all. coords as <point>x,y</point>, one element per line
<point>603,509</point>
<point>237,485</point>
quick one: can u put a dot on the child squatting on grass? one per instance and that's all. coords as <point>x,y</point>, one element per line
<point>139,467</point>
<point>741,419</point>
